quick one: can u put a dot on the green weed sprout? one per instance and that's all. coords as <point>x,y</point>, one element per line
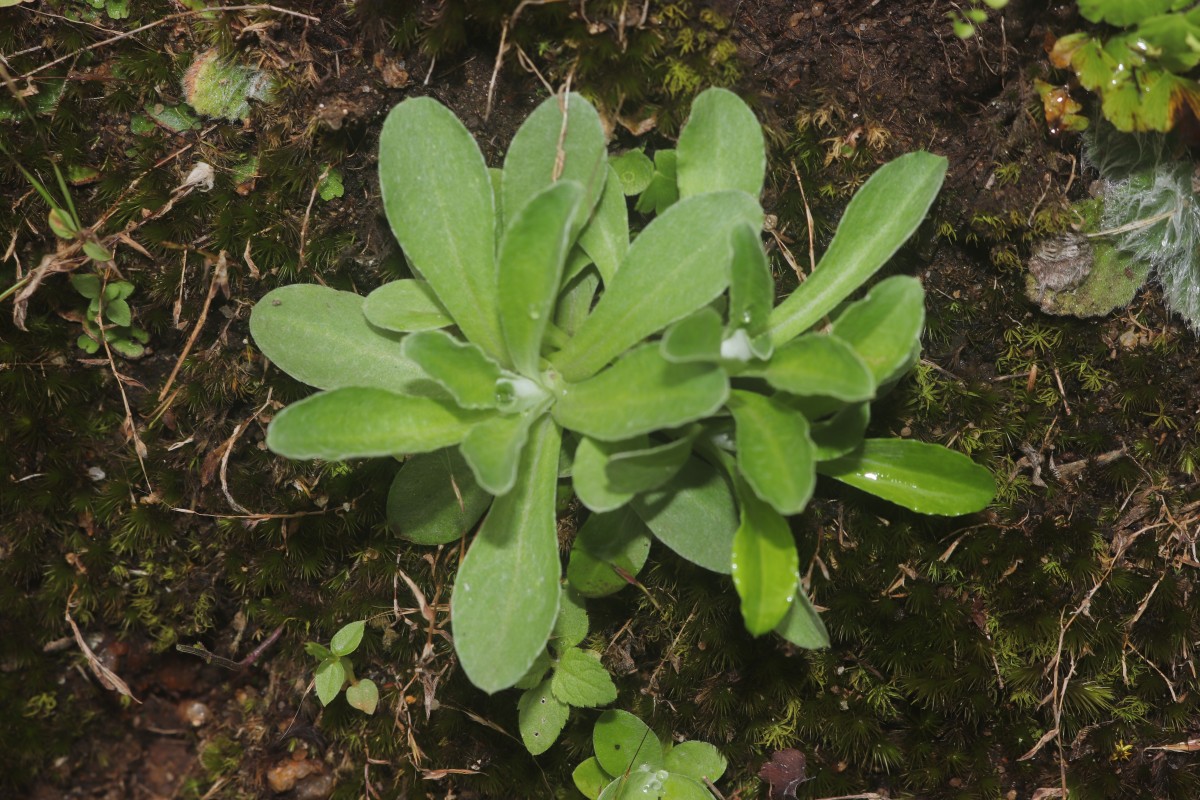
<point>966,21</point>
<point>335,670</point>
<point>631,762</point>
<point>540,343</point>
<point>108,316</point>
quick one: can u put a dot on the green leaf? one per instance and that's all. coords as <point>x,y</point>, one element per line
<point>694,515</point>
<point>62,224</point>
<point>696,760</point>
<point>606,236</point>
<point>331,186</point>
<point>634,170</point>
<point>438,197</point>
<point>575,300</point>
<point>581,680</point>
<point>623,742</point>
<point>180,118</point>
<point>532,253</point>
<point>434,498</point>
<point>606,543</point>
<point>125,347</point>
<point>405,305</point>
<point>311,331</point>
<point>461,368</point>
<point>637,471</point>
<point>663,191</point>
<point>346,640</point>
<point>118,312</point>
<point>590,778</point>
<point>318,651</point>
<point>926,478</point>
<point>548,148</point>
<point>884,326</point>
<point>506,594</point>
<point>331,675</point>
<point>819,365</point>
<point>721,146</point>
<point>678,263</point>
<point>533,676</point>
<point>696,338</point>
<point>774,452</point>
<point>363,695</point>
<point>493,449</point>
<point>1123,13</point>
<point>642,392</point>
<point>751,285</point>
<point>541,717</point>
<point>571,626</point>
<point>589,475</point>
<point>86,284</point>
<point>96,251</point>
<point>681,787</point>
<point>765,564</point>
<point>841,433</point>
<point>360,423</point>
<point>881,216</point>
<point>802,626</point>
<point>87,344</point>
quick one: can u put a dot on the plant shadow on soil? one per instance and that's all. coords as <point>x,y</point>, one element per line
<point>957,643</point>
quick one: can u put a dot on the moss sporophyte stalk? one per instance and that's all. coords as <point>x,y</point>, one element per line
<point>540,342</point>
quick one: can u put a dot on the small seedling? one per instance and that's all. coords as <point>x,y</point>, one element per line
<point>336,671</point>
<point>108,318</point>
<point>631,762</point>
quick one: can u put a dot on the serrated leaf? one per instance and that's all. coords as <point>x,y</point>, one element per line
<point>331,675</point>
<point>884,326</point>
<point>331,185</point>
<point>801,625</point>
<point>438,197</point>
<point>819,365</point>
<point>634,171</point>
<point>589,475</point>
<point>363,695</point>
<point>590,778</point>
<point>881,216</point>
<point>926,478</point>
<point>623,742</point>
<point>640,393</point>
<point>605,238</point>
<point>695,338</point>
<point>532,253</point>
<point>346,640</point>
<point>697,760</point>
<point>506,594</point>
<point>571,626</point>
<point>493,449</point>
<point>434,498</point>
<point>606,543</point>
<point>677,264</point>
<point>642,470</point>
<point>359,423</point>
<point>765,564</point>
<point>461,368</point>
<point>581,680</point>
<point>694,515</point>
<point>774,452</point>
<point>720,147</point>
<point>404,306</point>
<point>308,332</point>
<point>541,717</point>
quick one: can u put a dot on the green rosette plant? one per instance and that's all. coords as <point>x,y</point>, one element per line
<point>542,342</point>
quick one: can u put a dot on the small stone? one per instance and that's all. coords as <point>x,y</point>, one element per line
<point>284,776</point>
<point>193,712</point>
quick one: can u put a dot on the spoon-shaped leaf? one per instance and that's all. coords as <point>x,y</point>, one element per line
<point>765,564</point>
<point>493,449</point>
<point>774,452</point>
<point>459,367</point>
<point>694,515</point>
<point>926,478</point>
<point>506,594</point>
<point>637,471</point>
<point>721,146</point>
<point>606,237</point>
<point>884,326</point>
<point>694,338</point>
<point>751,285</point>
<point>589,474</point>
<point>405,305</point>
<point>802,626</point>
<point>434,498</point>
<point>818,365</point>
<point>835,437</point>
<point>617,540</point>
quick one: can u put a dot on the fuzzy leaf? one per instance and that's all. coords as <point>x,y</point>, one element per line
<point>571,626</point>
<point>533,676</point>
<point>801,625</point>
<point>696,760</point>
<point>360,423</point>
<point>623,742</point>
<point>637,471</point>
<point>881,216</point>
<point>506,595</point>
<point>884,326</point>
<point>774,452</point>
<point>363,695</point>
<point>606,237</point>
<point>818,365</point>
<point>589,475</point>
<point>694,515</point>
<point>696,338</point>
<point>438,198</point>
<point>493,449</point>
<point>590,778</point>
<point>677,264</point>
<point>405,305</point>
<point>581,680</point>
<point>434,498</point>
<point>634,170</point>
<point>461,368</point>
<point>721,146</point>
<point>751,285</point>
<point>663,190</point>
<point>575,300</point>
<point>605,543</point>
<point>765,564</point>
<point>330,677</point>
<point>346,640</point>
<point>642,392</point>
<point>841,433</point>
<point>926,478</point>
<point>309,332</point>
<point>541,717</point>
<point>532,253</point>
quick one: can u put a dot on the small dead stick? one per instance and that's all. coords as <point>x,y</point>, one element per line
<point>250,659</point>
<point>312,197</point>
<point>808,218</point>
<point>229,449</point>
<point>220,275</point>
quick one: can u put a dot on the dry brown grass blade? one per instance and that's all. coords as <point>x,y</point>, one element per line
<point>108,679</point>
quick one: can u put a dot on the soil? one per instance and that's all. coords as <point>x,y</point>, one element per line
<point>875,80</point>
